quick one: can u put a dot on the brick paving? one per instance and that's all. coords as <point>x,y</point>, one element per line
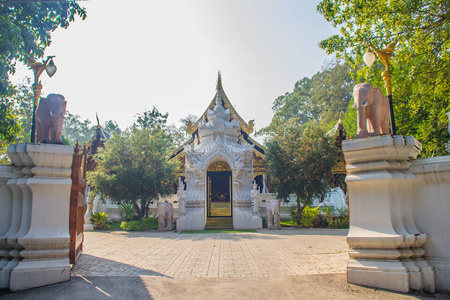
<point>213,255</point>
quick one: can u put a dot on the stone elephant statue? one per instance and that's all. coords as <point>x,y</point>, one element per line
<point>50,119</point>
<point>373,110</point>
<point>165,216</point>
<point>273,214</point>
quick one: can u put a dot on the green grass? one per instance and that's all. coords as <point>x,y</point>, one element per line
<point>113,226</point>
<point>216,231</point>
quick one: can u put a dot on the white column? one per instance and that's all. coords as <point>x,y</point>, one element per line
<point>6,206</point>
<point>10,250</point>
<point>383,239</point>
<point>87,216</point>
<point>46,243</point>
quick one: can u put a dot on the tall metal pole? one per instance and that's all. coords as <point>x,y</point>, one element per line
<point>37,68</point>
<point>37,87</point>
<point>387,80</point>
<point>384,55</point>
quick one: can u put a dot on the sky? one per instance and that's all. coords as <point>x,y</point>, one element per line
<point>128,56</point>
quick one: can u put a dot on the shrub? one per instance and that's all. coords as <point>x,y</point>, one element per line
<point>128,210</point>
<point>336,218</point>
<point>140,225</point>
<point>308,216</point>
<point>100,219</point>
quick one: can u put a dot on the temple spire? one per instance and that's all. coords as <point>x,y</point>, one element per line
<point>219,81</point>
<point>219,100</point>
<point>98,121</point>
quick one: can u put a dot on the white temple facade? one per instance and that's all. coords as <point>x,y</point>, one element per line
<point>218,170</point>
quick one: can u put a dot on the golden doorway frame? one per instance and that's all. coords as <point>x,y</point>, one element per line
<point>219,190</point>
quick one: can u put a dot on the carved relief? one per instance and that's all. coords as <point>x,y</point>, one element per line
<point>218,150</point>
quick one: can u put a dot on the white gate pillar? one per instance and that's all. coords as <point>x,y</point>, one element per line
<point>46,244</point>
<point>386,248</point>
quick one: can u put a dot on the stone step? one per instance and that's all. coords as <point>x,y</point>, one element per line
<point>219,223</point>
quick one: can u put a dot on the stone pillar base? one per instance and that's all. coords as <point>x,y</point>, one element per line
<point>170,228</point>
<point>5,273</point>
<point>245,220</point>
<point>391,275</point>
<point>192,221</point>
<point>386,248</point>
<point>30,274</point>
<point>88,227</point>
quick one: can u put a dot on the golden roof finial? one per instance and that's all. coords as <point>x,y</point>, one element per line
<point>219,80</point>
<point>98,121</point>
<point>340,118</point>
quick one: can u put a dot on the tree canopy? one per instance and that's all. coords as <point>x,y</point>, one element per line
<point>134,167</point>
<point>320,98</point>
<point>16,127</point>
<point>299,160</point>
<point>421,66</point>
<point>26,29</point>
<point>75,129</point>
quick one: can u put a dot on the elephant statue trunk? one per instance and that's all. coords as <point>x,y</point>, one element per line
<point>373,110</point>
<point>50,119</point>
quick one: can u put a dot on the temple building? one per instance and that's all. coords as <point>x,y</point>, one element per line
<point>218,166</point>
<point>339,172</point>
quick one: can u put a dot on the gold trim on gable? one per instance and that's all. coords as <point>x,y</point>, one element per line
<point>219,166</point>
<point>248,128</point>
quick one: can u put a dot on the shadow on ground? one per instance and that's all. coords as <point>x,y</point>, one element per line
<point>148,287</point>
<point>89,263</point>
<point>93,287</point>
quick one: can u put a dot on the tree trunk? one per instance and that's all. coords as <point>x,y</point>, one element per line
<point>142,209</point>
<point>299,211</point>
<point>147,208</point>
<point>136,207</point>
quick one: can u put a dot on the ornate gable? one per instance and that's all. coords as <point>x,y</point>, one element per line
<point>229,126</point>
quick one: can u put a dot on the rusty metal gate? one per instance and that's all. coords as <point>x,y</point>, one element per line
<point>77,199</point>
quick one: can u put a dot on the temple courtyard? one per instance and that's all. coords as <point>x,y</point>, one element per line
<point>267,264</point>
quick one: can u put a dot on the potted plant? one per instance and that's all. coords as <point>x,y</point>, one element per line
<point>100,220</point>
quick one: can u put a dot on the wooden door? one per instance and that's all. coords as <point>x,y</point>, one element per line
<point>77,200</point>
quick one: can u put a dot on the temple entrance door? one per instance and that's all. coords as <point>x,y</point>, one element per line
<point>219,196</point>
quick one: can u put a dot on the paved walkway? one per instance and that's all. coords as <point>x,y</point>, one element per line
<point>263,254</point>
<point>283,264</point>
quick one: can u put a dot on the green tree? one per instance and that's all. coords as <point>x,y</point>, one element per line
<point>299,160</point>
<point>25,32</point>
<point>421,67</point>
<point>134,167</point>
<point>179,134</point>
<point>75,129</point>
<point>155,119</point>
<point>112,127</point>
<point>26,29</point>
<point>15,120</point>
<point>151,119</point>
<point>320,98</point>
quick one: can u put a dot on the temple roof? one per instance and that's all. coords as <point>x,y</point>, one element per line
<point>246,127</point>
<point>338,130</point>
<point>98,139</point>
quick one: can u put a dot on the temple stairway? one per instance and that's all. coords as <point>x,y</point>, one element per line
<point>219,223</point>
